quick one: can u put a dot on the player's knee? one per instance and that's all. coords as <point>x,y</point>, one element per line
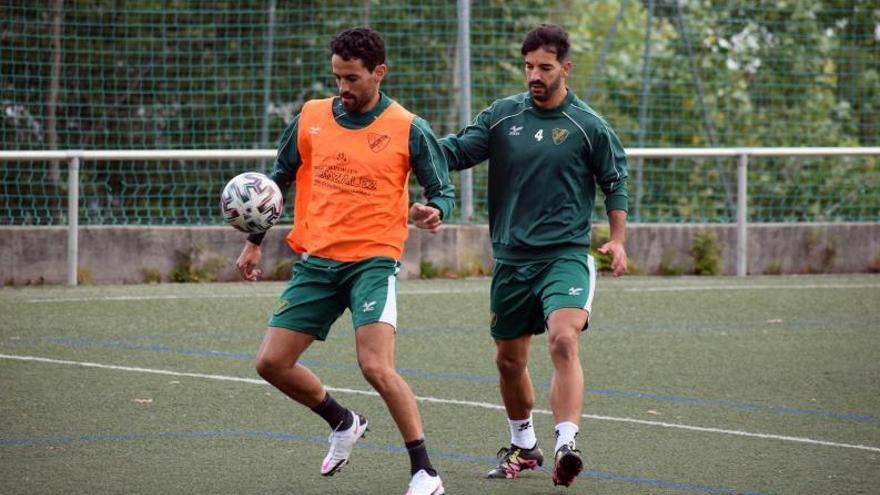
<point>268,367</point>
<point>564,346</point>
<point>510,365</point>
<point>377,374</point>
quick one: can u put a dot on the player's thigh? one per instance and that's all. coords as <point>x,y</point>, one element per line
<point>310,303</point>
<point>372,296</point>
<point>283,347</point>
<point>375,346</point>
<point>569,283</point>
<point>515,309</point>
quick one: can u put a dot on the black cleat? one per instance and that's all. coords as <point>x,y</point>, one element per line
<point>568,465</point>
<point>515,459</point>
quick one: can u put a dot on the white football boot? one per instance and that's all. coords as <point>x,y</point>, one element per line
<point>341,444</point>
<point>423,483</point>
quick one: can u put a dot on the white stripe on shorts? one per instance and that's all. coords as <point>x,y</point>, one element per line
<point>591,269</point>
<point>389,313</point>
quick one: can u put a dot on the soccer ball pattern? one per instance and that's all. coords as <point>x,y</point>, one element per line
<point>251,202</point>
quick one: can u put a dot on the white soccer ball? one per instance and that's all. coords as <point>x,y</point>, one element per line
<point>251,202</point>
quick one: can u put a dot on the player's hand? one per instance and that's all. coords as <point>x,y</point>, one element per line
<point>249,261</point>
<point>425,217</point>
<point>618,256</point>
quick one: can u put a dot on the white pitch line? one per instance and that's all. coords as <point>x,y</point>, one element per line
<point>749,287</point>
<point>222,296</point>
<point>459,291</point>
<point>141,298</point>
<point>438,400</point>
<point>769,436</point>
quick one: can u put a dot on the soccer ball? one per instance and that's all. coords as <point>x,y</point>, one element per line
<point>251,202</point>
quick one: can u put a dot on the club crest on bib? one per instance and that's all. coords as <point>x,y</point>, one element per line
<point>559,135</point>
<point>377,142</point>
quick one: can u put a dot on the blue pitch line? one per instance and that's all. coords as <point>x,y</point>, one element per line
<point>453,456</point>
<point>411,372</point>
<point>241,356</point>
<point>691,326</point>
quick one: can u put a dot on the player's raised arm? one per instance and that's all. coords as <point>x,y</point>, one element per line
<point>287,162</point>
<point>471,145</point>
<point>429,165</point>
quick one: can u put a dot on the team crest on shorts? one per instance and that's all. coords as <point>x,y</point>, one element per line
<point>377,142</point>
<point>493,319</point>
<point>282,304</point>
<point>559,135</point>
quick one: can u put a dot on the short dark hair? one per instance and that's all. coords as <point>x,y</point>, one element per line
<point>550,37</point>
<point>362,43</point>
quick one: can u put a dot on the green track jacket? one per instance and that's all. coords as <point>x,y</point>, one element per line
<point>543,169</point>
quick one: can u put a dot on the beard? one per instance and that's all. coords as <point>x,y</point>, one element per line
<point>353,103</point>
<point>542,92</point>
<point>350,102</point>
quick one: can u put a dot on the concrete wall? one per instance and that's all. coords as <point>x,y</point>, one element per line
<point>31,255</point>
<point>772,247</point>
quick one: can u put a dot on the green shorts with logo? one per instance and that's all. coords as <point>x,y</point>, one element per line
<point>320,289</point>
<point>523,296</point>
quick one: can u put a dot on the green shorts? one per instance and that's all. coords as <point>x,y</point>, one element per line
<point>523,296</point>
<point>320,289</point>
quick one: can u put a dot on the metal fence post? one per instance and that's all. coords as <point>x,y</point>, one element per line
<point>72,220</point>
<point>464,61</point>
<point>742,217</point>
<point>267,74</point>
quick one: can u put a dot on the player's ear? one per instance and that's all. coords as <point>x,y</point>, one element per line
<point>566,67</point>
<point>380,71</point>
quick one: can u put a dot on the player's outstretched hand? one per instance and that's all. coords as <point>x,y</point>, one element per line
<point>425,217</point>
<point>249,261</point>
<point>618,257</point>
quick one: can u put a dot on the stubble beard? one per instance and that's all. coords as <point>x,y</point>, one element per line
<point>357,103</point>
<point>548,91</point>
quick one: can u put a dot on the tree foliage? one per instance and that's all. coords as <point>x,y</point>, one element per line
<point>145,74</point>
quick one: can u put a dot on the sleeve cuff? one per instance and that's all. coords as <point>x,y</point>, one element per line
<point>256,238</point>
<point>615,203</point>
<point>445,205</point>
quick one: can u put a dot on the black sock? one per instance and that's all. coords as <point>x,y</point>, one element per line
<point>338,417</point>
<point>418,457</point>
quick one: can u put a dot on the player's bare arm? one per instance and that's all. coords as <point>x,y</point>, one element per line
<point>248,262</point>
<point>615,246</point>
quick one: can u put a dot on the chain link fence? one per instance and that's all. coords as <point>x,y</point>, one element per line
<point>150,74</point>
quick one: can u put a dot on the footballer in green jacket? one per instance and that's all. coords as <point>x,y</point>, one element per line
<point>547,151</point>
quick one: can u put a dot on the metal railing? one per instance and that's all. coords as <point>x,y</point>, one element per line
<point>74,158</point>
